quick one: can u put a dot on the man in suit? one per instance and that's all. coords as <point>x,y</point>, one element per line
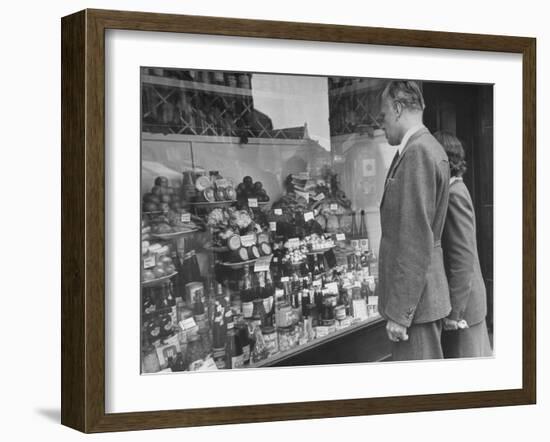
<point>412,289</point>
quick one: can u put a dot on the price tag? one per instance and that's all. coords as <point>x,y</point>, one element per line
<point>185,217</point>
<point>304,195</point>
<point>373,300</point>
<point>308,216</point>
<point>279,293</point>
<point>248,240</point>
<point>262,263</point>
<point>334,207</point>
<point>278,211</point>
<point>293,243</point>
<point>149,262</point>
<point>359,307</point>
<point>285,279</point>
<point>319,197</point>
<point>332,287</point>
<point>252,202</point>
<point>273,226</point>
<point>188,324</point>
<point>317,283</point>
<point>340,237</point>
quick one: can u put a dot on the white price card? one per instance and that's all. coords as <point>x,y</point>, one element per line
<point>149,262</point>
<point>332,287</point>
<point>262,263</point>
<point>308,216</point>
<point>340,237</point>
<point>279,293</point>
<point>334,207</point>
<point>319,197</point>
<point>248,240</point>
<point>252,202</point>
<point>285,279</point>
<point>188,324</point>
<point>273,226</point>
<point>185,217</point>
<point>278,211</point>
<point>293,243</point>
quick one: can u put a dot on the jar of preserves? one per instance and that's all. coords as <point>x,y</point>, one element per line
<point>270,338</point>
<point>286,337</point>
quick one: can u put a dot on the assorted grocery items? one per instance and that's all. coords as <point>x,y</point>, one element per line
<point>275,277</point>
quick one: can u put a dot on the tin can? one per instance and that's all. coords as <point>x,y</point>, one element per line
<point>284,315</point>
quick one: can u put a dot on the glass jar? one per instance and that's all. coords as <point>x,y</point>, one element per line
<point>286,337</point>
<point>270,338</point>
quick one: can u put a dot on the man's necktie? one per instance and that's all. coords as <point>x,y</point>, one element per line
<point>392,165</point>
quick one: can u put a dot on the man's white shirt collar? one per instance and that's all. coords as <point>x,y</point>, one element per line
<point>408,136</point>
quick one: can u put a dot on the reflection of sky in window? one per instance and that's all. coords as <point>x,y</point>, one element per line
<point>292,100</point>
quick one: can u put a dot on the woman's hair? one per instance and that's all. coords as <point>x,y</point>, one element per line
<point>455,152</point>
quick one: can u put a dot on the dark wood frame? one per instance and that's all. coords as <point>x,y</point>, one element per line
<point>83,217</point>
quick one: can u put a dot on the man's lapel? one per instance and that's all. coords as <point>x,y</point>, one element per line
<point>391,171</point>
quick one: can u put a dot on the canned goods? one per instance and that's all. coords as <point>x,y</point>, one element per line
<point>340,312</point>
<point>284,315</point>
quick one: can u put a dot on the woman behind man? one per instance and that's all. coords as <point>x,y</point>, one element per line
<point>465,330</point>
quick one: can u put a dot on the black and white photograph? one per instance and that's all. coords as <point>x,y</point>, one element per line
<point>294,220</point>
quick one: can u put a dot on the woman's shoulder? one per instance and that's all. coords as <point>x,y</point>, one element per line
<point>459,192</point>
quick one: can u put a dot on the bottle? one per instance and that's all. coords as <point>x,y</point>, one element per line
<point>233,348</point>
<point>244,340</point>
<point>363,238</point>
<point>247,293</point>
<point>353,233</point>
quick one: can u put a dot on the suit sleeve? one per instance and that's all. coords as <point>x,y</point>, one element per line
<point>459,249</point>
<point>416,191</point>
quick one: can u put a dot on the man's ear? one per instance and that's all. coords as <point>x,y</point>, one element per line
<point>398,109</point>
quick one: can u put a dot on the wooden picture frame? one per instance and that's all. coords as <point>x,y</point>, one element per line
<point>83,220</point>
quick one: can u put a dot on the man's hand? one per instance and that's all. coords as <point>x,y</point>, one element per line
<point>396,332</point>
<point>451,324</point>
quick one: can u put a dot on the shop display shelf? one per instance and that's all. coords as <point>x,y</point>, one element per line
<point>158,281</point>
<point>211,204</point>
<point>173,235</point>
<point>281,356</point>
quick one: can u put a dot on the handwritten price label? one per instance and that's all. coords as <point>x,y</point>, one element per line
<point>334,207</point>
<point>273,226</point>
<point>149,262</point>
<point>340,237</point>
<point>319,197</point>
<point>308,216</point>
<point>248,240</point>
<point>252,202</point>
<point>262,264</point>
<point>278,211</point>
<point>185,217</point>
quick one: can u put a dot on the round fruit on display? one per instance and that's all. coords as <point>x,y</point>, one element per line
<point>159,272</point>
<point>161,181</point>
<point>150,207</point>
<point>148,275</point>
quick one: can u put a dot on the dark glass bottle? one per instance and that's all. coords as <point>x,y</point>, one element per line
<point>363,226</point>
<point>247,294</point>
<point>353,233</point>
<point>233,348</point>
